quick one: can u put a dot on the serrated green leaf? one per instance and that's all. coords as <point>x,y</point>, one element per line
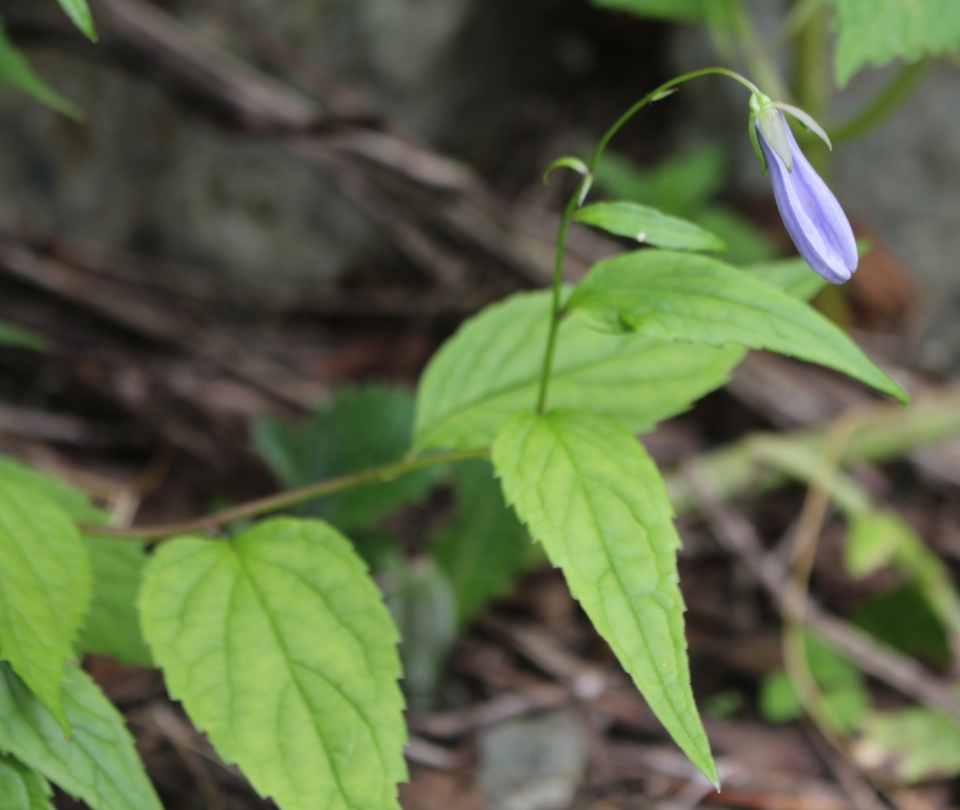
<point>676,10</point>
<point>485,547</point>
<point>21,788</point>
<point>878,31</point>
<point>590,493</point>
<point>923,743</point>
<point>648,225</point>
<point>79,12</point>
<point>362,428</point>
<point>98,764</point>
<point>794,276</point>
<point>281,649</point>
<point>112,625</point>
<point>45,585</point>
<point>491,368</point>
<point>15,70</point>
<point>687,297</point>
<point>20,338</point>
<point>72,501</point>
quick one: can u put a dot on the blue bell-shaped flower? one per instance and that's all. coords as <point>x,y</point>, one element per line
<point>814,218</point>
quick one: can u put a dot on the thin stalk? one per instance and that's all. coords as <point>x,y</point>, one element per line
<point>811,85</point>
<point>292,497</point>
<point>556,314</point>
<point>895,93</point>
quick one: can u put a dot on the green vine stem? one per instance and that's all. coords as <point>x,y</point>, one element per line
<point>556,313</point>
<point>895,93</point>
<point>291,497</point>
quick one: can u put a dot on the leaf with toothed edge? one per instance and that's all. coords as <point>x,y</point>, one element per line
<point>491,368</point>
<point>22,788</point>
<point>280,648</point>
<point>590,493</point>
<point>697,299</point>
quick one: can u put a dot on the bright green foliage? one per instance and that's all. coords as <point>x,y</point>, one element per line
<point>15,70</point>
<point>112,625</point>
<point>73,502</point>
<point>362,428</point>
<point>424,609</point>
<point>491,368</point>
<point>794,276</point>
<point>45,584</point>
<point>879,31</point>
<point>281,649</point>
<point>678,10</point>
<point>844,692</point>
<point>590,493</point>
<point>687,297</point>
<point>79,12</point>
<point>21,788</point>
<point>649,225</point>
<point>98,764</point>
<point>683,186</point>
<point>485,547</point>
<point>923,744</point>
<point>20,338</point>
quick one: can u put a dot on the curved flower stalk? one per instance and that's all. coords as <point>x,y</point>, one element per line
<point>810,211</point>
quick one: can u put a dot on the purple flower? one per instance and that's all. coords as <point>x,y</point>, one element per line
<point>813,217</point>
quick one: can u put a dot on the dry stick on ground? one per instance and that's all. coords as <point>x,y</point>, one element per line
<point>805,542</point>
<point>739,537</point>
<point>146,316</point>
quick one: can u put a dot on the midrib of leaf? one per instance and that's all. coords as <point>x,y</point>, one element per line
<point>289,663</point>
<point>453,416</point>
<point>578,484</point>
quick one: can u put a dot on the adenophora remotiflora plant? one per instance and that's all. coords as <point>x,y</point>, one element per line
<point>276,640</point>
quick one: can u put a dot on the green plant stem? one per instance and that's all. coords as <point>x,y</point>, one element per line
<point>292,497</point>
<point>756,57</point>
<point>811,85</point>
<point>895,93</point>
<point>556,314</point>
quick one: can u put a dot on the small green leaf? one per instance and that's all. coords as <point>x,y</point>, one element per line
<point>362,428</point>
<point>485,547</point>
<point>491,368</point>
<point>872,542</point>
<point>903,619</point>
<point>567,162</point>
<point>676,10</point>
<point>45,585</point>
<point>281,649</point>
<point>98,764</point>
<point>15,70</point>
<point>679,185</point>
<point>72,501</point>
<point>779,701</point>
<point>20,338</point>
<point>879,31</point>
<point>923,744</point>
<point>648,225</point>
<point>112,626</point>
<point>590,493</point>
<point>687,297</point>
<point>21,788</point>
<point>79,12</point>
<point>794,276</point>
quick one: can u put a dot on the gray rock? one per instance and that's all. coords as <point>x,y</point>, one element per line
<point>533,763</point>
